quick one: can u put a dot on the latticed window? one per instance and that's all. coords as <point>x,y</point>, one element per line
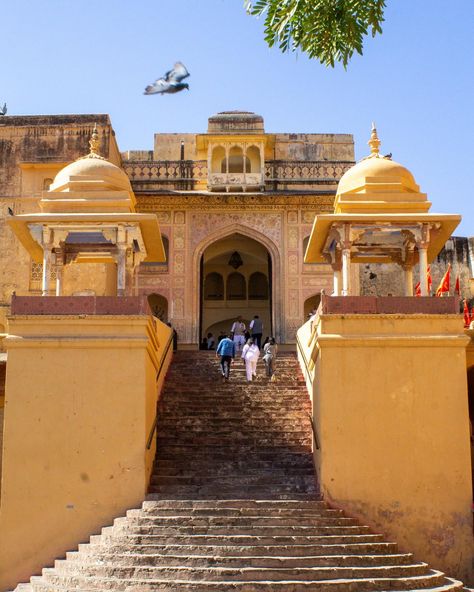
<point>36,275</point>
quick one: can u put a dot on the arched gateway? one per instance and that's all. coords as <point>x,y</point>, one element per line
<point>236,272</point>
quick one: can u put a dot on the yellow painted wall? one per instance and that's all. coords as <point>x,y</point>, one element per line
<point>80,401</point>
<point>390,407</point>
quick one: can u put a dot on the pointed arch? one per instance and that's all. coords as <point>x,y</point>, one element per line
<point>276,291</point>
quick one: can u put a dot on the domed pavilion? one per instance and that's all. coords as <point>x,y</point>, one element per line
<point>380,216</point>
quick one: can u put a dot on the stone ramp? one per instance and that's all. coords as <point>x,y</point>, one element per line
<point>234,505</point>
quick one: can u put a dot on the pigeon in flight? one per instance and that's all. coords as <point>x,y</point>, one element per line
<point>170,82</point>
<point>3,110</point>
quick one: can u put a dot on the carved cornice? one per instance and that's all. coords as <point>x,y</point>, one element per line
<point>151,203</point>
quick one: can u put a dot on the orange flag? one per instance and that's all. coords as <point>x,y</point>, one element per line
<point>429,282</point>
<point>445,282</point>
<point>467,316</point>
<point>457,287</point>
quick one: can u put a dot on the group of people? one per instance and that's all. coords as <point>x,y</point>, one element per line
<point>239,340</point>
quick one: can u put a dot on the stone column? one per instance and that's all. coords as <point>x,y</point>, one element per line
<point>47,252</point>
<point>59,274</point>
<point>408,269</point>
<point>121,261</point>
<point>121,269</point>
<point>244,157</point>
<point>346,260</point>
<point>337,282</point>
<point>262,166</point>
<point>423,259</point>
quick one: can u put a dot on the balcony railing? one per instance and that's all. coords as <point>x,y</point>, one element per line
<point>186,174</point>
<point>235,180</point>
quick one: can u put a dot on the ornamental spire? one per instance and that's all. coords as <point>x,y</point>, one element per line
<point>94,144</point>
<point>374,142</point>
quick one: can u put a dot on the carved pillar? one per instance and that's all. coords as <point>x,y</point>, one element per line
<point>121,260</point>
<point>346,260</point>
<point>337,282</point>
<point>423,258</point>
<point>244,156</point>
<point>408,269</point>
<point>47,252</point>
<point>227,167</point>
<point>262,166</point>
<point>59,273</point>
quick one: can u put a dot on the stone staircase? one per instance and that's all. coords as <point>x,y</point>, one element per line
<point>234,505</point>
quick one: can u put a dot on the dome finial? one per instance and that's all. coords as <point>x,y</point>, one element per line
<point>374,141</point>
<point>94,142</point>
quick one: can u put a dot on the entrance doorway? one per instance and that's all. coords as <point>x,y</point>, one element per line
<point>236,279</point>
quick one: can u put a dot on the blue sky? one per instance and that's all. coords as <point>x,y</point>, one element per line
<point>416,81</point>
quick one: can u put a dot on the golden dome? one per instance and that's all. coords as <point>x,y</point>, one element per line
<point>92,173</point>
<point>376,170</point>
<point>378,184</point>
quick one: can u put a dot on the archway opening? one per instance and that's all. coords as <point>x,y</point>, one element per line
<point>236,279</point>
<point>159,306</point>
<point>311,305</point>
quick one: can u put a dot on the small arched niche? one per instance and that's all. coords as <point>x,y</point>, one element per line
<point>258,286</point>
<point>214,286</point>
<point>311,304</point>
<point>253,158</point>
<point>218,160</point>
<point>236,287</point>
<point>159,306</point>
<point>236,161</point>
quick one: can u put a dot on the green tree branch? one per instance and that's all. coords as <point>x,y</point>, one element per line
<point>327,30</point>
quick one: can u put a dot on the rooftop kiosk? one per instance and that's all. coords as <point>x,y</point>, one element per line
<point>88,216</point>
<point>387,375</point>
<point>83,373</point>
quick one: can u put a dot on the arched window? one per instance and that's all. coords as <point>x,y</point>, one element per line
<point>46,183</point>
<point>236,161</point>
<point>214,286</point>
<point>258,286</point>
<point>253,156</point>
<point>218,160</point>
<point>236,288</point>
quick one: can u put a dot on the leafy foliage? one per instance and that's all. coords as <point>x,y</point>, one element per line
<point>328,30</point>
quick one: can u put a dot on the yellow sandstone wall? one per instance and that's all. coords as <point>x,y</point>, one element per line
<point>80,402</point>
<point>390,407</point>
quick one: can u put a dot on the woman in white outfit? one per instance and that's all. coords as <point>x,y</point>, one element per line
<point>250,355</point>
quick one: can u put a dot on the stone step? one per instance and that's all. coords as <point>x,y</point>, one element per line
<point>214,573</point>
<point>240,529</point>
<point>255,521</point>
<point>134,560</point>
<point>278,513</point>
<point>424,582</point>
<point>152,502</point>
<point>117,547</point>
<point>109,536</point>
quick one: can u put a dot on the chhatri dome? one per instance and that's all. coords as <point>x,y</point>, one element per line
<point>91,169</point>
<point>90,183</point>
<point>377,183</point>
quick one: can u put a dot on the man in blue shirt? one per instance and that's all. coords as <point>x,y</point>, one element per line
<point>226,351</point>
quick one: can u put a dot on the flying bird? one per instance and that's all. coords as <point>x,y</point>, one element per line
<point>3,110</point>
<point>170,82</point>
